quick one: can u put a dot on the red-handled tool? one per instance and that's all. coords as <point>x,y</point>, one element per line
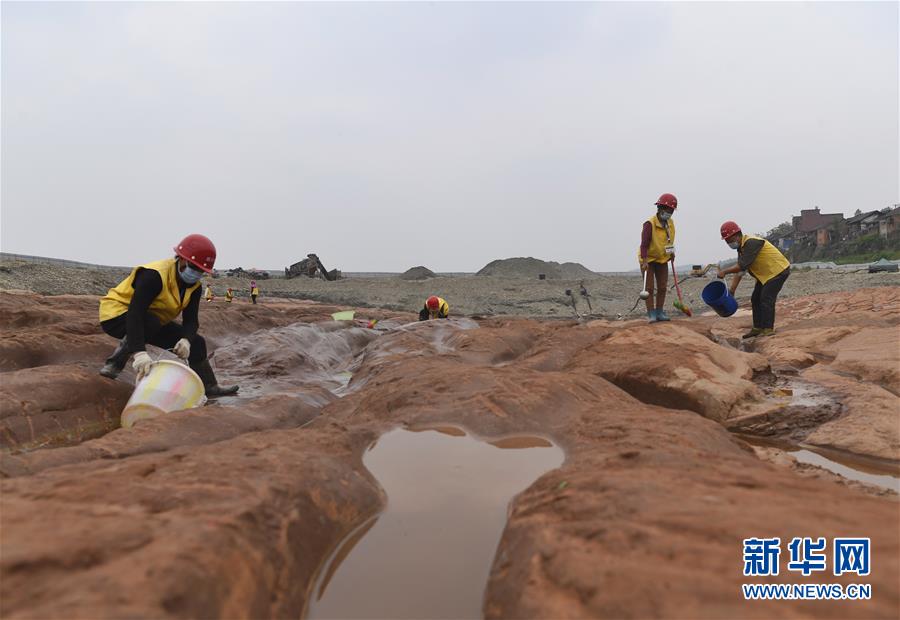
<point>679,303</point>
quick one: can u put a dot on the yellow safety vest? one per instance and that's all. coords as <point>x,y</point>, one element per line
<point>768,263</point>
<point>167,305</point>
<point>661,239</point>
<point>443,309</point>
<point>254,291</point>
<point>229,295</point>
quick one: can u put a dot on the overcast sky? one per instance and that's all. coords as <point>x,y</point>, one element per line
<point>387,135</point>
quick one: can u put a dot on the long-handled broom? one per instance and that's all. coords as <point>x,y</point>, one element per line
<point>679,303</point>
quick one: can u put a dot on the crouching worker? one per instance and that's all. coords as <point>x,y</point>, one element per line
<point>142,310</point>
<point>435,308</point>
<point>767,265</point>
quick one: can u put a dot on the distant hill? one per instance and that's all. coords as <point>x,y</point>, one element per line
<point>528,267</point>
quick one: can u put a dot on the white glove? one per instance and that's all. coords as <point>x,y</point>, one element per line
<point>182,348</point>
<point>141,364</point>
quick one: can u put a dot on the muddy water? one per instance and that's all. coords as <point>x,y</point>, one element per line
<point>428,554</point>
<point>855,472</point>
<point>868,470</point>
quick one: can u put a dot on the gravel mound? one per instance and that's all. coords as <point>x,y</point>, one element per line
<point>575,271</point>
<point>531,267</point>
<point>417,273</point>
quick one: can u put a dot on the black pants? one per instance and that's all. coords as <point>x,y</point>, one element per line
<point>162,336</point>
<point>254,298</point>
<point>763,300</point>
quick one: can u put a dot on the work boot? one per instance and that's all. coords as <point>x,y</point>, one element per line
<point>753,333</point>
<point>662,316</point>
<point>115,363</point>
<point>651,316</point>
<point>213,389</point>
<point>766,331</point>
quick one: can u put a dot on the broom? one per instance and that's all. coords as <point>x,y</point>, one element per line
<point>679,303</point>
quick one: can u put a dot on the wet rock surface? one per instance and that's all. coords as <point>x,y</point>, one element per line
<point>231,510</point>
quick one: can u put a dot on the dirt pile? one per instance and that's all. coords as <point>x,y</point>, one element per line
<point>417,273</point>
<point>231,510</point>
<point>531,268</point>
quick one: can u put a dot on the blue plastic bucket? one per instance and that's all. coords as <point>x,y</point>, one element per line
<point>717,297</point>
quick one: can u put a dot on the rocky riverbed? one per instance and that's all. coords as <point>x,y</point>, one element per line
<point>679,441</point>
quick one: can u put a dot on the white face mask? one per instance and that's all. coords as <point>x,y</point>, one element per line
<point>189,275</point>
<point>663,215</point>
<point>734,244</point>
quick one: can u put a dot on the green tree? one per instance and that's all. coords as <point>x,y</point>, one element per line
<point>781,229</point>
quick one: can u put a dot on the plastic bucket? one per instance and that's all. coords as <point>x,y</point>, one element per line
<point>346,315</point>
<point>170,386</point>
<point>717,297</point>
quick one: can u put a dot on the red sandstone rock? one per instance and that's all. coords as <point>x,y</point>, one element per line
<point>229,510</point>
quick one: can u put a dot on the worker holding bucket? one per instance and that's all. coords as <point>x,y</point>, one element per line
<point>143,307</point>
<point>656,251</point>
<point>767,265</point>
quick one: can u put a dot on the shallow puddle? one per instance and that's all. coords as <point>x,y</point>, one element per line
<point>856,472</point>
<point>868,470</point>
<point>429,553</point>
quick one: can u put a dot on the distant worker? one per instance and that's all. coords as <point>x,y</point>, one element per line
<point>767,265</point>
<point>657,249</point>
<point>435,308</point>
<point>229,294</point>
<point>209,293</point>
<point>143,307</point>
<point>254,291</point>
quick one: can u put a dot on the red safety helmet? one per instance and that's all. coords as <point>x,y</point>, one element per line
<point>729,229</point>
<point>433,303</point>
<point>198,251</point>
<point>667,200</point>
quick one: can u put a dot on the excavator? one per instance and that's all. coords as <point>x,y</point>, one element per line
<point>698,271</point>
<point>311,267</point>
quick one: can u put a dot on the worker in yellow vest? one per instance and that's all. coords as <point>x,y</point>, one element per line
<point>229,294</point>
<point>767,265</point>
<point>254,291</point>
<point>435,308</point>
<point>209,293</point>
<point>142,309</point>
<point>657,249</point>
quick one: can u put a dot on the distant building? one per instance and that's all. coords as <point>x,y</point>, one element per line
<point>811,220</point>
<point>863,224</point>
<point>828,233</point>
<point>783,241</point>
<point>889,221</point>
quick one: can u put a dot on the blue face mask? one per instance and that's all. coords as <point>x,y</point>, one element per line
<point>734,245</point>
<point>190,275</point>
<point>663,215</point>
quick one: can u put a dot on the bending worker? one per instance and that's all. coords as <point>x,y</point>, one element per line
<point>657,249</point>
<point>435,308</point>
<point>767,265</point>
<point>143,307</point>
